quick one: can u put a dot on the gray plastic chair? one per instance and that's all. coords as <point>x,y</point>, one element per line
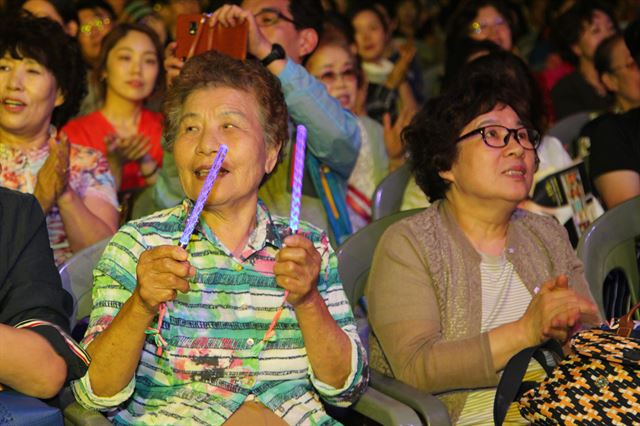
<point>354,261</point>
<point>387,198</point>
<point>77,277</point>
<point>610,243</point>
<point>568,129</point>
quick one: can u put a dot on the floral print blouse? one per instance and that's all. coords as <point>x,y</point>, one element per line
<point>89,174</point>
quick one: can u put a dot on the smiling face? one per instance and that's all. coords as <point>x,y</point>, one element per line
<point>28,95</point>
<point>132,67</point>
<point>489,24</point>
<point>484,174</point>
<point>221,115</point>
<point>336,69</point>
<point>370,35</point>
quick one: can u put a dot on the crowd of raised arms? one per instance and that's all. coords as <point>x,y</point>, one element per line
<point>109,133</point>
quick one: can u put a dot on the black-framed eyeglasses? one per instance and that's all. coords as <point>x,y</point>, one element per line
<point>270,16</point>
<point>497,136</point>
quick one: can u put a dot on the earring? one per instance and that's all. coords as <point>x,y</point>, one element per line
<point>53,132</point>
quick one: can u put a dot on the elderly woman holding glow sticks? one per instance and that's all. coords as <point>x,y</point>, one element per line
<point>228,348</point>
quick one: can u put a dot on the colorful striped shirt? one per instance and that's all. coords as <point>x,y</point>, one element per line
<point>215,359</point>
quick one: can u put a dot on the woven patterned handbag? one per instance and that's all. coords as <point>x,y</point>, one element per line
<point>599,384</point>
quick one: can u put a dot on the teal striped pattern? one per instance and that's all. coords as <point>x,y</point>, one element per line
<point>215,360</point>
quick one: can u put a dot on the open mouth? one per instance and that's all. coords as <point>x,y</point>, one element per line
<point>204,172</point>
<point>13,104</point>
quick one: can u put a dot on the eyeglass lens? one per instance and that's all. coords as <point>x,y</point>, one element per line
<point>498,136</point>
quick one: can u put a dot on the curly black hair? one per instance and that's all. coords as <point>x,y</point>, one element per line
<point>44,41</point>
<point>431,137</point>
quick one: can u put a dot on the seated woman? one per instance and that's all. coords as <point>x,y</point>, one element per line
<point>610,140</point>
<point>41,84</point>
<point>458,289</point>
<point>37,356</point>
<point>223,360</point>
<point>389,87</point>
<point>129,68</point>
<point>336,66</point>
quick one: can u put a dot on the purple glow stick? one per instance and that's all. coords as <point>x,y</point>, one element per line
<point>298,171</point>
<point>202,197</point>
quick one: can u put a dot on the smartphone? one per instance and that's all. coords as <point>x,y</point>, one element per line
<point>194,32</point>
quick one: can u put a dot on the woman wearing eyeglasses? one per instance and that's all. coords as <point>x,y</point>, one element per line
<point>482,20</point>
<point>611,139</point>
<point>458,289</point>
<point>335,65</point>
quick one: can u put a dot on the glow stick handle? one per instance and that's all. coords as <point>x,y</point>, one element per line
<point>298,172</point>
<point>202,197</point>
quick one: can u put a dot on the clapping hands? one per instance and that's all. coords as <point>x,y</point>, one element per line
<point>53,176</point>
<point>555,311</point>
<point>131,148</point>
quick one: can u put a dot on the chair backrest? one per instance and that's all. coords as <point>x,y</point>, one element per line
<point>568,129</point>
<point>356,253</point>
<point>387,198</point>
<point>610,244</point>
<point>77,277</point>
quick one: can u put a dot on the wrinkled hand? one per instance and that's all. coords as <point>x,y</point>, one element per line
<point>131,148</point>
<point>555,311</point>
<point>53,176</point>
<point>231,16</point>
<point>161,272</point>
<point>296,269</point>
<point>172,64</point>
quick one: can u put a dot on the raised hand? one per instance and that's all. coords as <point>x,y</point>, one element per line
<point>392,135</point>
<point>296,269</point>
<point>172,64</point>
<point>53,177</point>
<point>131,148</point>
<point>231,16</point>
<point>162,272</point>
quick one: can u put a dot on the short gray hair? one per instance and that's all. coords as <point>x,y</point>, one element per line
<point>212,69</point>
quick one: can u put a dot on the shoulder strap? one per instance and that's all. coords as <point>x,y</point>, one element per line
<point>510,382</point>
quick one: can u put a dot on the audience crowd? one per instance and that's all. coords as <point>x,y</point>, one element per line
<point>107,134</point>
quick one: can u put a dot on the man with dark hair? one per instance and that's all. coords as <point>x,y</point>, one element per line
<point>578,31</point>
<point>36,355</point>
<point>282,33</point>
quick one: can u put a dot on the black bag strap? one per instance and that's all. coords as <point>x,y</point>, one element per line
<point>511,385</point>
